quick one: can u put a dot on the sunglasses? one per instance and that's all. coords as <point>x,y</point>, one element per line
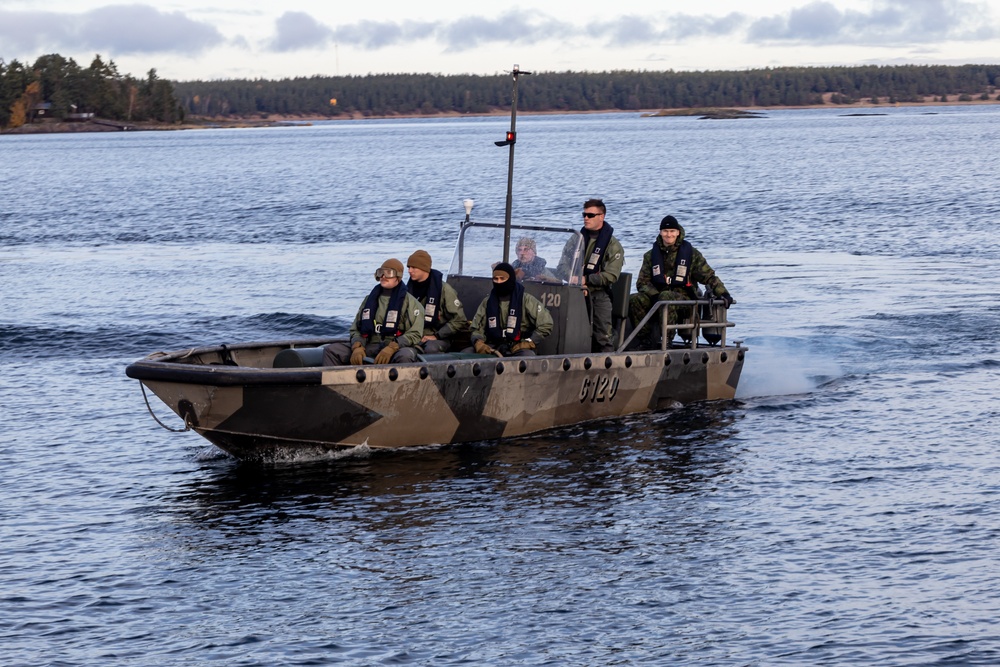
<point>385,273</point>
<point>588,216</point>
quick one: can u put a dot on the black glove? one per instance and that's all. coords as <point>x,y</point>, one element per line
<point>728,298</point>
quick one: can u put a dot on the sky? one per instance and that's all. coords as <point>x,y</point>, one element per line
<point>229,39</point>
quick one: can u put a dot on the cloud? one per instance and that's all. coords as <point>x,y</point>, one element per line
<point>381,34</point>
<point>516,27</point>
<point>126,29</point>
<point>889,23</point>
<point>639,30</point>
<point>298,30</point>
<point>115,29</point>
<point>819,22</point>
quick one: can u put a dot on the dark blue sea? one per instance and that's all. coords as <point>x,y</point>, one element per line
<point>845,510</point>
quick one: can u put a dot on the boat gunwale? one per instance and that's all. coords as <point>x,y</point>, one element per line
<point>167,367</point>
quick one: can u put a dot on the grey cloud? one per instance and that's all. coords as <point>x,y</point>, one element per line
<point>298,30</point>
<point>686,27</point>
<point>890,22</point>
<point>626,30</point>
<point>458,35</point>
<point>633,30</point>
<point>513,28</point>
<point>114,29</point>
<point>144,29</point>
<point>380,34</point>
<point>32,31</point>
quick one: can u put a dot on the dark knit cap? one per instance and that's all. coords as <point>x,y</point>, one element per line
<point>506,268</point>
<point>421,259</point>
<point>669,222</point>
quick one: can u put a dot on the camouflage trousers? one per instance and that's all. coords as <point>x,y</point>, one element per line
<point>640,304</point>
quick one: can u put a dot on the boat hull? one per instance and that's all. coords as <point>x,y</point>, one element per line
<point>269,413</point>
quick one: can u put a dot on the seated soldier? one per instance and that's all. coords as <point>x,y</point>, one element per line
<point>388,325</point>
<point>444,317</point>
<point>671,271</point>
<point>509,322</point>
<point>528,265</point>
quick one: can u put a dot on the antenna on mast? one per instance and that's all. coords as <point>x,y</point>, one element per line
<point>510,140</point>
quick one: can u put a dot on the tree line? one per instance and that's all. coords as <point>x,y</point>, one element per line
<point>67,88</point>
<point>388,94</point>
<point>102,90</point>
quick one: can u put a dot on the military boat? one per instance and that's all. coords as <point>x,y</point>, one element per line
<point>274,400</point>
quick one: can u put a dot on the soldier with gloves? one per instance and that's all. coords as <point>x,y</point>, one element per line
<point>388,325</point>
<point>671,271</point>
<point>510,322</point>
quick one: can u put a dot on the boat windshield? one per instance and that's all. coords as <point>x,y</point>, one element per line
<point>540,253</point>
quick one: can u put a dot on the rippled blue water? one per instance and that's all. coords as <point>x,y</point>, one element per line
<point>843,511</point>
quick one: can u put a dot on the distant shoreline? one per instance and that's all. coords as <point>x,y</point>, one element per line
<point>274,120</point>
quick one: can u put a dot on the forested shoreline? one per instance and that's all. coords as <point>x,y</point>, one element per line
<point>416,94</point>
<point>58,88</point>
<point>104,92</point>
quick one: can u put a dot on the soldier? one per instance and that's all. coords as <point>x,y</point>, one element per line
<point>509,322</point>
<point>671,271</point>
<point>444,317</point>
<point>388,325</point>
<point>604,258</point>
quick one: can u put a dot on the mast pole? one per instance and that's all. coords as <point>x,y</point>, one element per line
<point>510,141</point>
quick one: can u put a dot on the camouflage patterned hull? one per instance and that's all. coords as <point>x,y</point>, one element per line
<point>231,395</point>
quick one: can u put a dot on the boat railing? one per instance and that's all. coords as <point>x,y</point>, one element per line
<point>716,321</point>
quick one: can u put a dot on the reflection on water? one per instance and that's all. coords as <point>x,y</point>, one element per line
<point>676,452</point>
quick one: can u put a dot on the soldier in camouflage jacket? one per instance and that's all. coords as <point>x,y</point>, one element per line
<point>671,271</point>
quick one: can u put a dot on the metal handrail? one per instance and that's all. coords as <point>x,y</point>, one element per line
<point>695,325</point>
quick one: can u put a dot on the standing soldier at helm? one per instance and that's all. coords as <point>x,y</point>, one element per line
<point>603,260</point>
<point>388,325</point>
<point>671,271</point>
<point>509,322</point>
<point>444,317</point>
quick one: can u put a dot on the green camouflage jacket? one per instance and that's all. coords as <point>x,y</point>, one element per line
<point>700,272</point>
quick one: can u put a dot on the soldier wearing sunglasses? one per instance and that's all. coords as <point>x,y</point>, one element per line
<point>603,259</point>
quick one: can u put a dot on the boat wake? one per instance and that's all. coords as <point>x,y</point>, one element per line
<point>784,366</point>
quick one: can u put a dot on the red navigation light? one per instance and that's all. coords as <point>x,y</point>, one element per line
<point>509,141</point>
